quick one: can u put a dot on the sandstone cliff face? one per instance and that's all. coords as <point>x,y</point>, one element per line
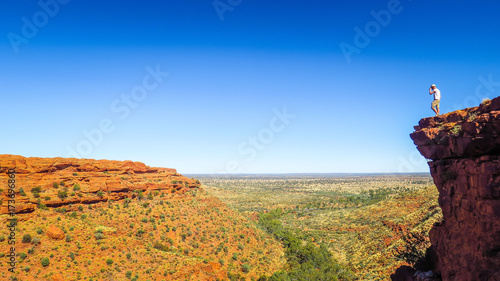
<point>464,152</point>
<point>69,181</point>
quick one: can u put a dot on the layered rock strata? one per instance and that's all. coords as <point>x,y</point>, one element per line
<point>56,182</point>
<point>463,149</point>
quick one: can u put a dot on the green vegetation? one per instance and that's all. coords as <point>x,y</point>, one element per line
<point>21,192</point>
<point>63,194</point>
<point>45,262</point>
<point>305,261</point>
<point>359,220</point>
<point>26,238</point>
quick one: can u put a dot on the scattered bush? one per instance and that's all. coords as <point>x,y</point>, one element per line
<point>21,192</point>
<point>98,236</point>
<point>22,256</point>
<point>62,194</point>
<point>109,261</point>
<point>45,262</point>
<point>245,268</point>
<point>35,241</point>
<point>55,185</point>
<point>26,238</point>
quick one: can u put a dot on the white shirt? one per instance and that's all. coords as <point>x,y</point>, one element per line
<point>437,94</point>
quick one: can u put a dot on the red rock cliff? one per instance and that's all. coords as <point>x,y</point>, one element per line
<point>464,152</point>
<point>55,182</point>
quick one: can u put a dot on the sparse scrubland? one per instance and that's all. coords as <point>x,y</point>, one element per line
<point>266,228</point>
<point>369,225</point>
<point>163,236</point>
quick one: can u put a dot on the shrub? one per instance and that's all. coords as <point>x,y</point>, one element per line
<point>21,192</point>
<point>160,246</point>
<point>98,236</point>
<point>128,274</point>
<point>62,194</point>
<point>140,232</point>
<point>129,256</point>
<point>45,262</point>
<point>76,187</point>
<point>35,241</point>
<point>100,193</point>
<point>26,238</point>
<point>22,256</point>
<point>109,261</point>
<point>55,185</point>
<point>245,268</point>
<point>75,174</point>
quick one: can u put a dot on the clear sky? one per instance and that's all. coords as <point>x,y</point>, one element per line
<point>238,85</point>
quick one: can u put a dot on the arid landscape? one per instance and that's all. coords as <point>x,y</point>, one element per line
<point>362,219</point>
<point>110,220</point>
<point>73,222</point>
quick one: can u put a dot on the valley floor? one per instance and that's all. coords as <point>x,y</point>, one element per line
<point>362,219</point>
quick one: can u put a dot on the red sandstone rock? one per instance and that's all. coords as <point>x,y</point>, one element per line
<point>465,149</point>
<point>55,233</point>
<point>84,181</point>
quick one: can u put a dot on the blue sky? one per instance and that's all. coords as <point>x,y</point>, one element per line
<point>252,86</point>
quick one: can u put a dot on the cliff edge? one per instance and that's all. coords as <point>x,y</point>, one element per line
<point>463,149</point>
<point>55,182</point>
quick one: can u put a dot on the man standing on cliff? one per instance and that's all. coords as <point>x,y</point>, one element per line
<point>437,98</point>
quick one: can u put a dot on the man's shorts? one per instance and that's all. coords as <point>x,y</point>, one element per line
<point>435,103</point>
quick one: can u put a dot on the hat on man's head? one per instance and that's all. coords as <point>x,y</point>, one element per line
<point>433,85</point>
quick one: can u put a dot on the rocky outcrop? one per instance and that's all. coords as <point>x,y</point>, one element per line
<point>55,233</point>
<point>57,182</point>
<point>463,148</point>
